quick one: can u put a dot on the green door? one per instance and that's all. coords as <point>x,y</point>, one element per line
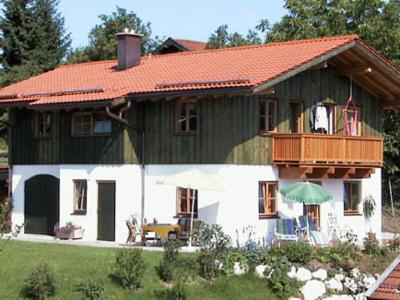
<point>41,204</point>
<point>106,211</point>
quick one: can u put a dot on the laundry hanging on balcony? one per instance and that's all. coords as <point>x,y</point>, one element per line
<point>350,115</point>
<point>319,118</point>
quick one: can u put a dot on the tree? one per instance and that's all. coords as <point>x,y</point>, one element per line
<point>222,38</point>
<point>102,40</point>
<point>376,21</point>
<point>33,38</point>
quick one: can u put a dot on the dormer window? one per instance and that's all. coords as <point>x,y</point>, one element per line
<point>43,124</point>
<point>186,116</point>
<point>88,123</point>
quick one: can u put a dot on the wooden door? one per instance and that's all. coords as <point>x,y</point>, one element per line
<point>295,117</point>
<point>106,211</point>
<point>42,204</point>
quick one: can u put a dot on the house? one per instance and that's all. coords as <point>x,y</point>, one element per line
<point>172,45</point>
<point>94,143</point>
<point>387,285</point>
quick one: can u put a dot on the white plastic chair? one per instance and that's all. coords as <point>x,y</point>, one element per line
<point>336,229</point>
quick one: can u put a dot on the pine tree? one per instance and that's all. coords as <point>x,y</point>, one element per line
<point>33,39</point>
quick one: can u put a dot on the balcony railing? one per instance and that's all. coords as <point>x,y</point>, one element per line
<point>320,149</point>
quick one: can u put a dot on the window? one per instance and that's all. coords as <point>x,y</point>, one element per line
<point>102,124</point>
<point>186,116</point>
<point>268,116</point>
<point>353,121</point>
<point>84,124</point>
<point>267,203</point>
<point>80,196</point>
<point>43,124</point>
<point>296,117</point>
<point>352,195</point>
<point>184,202</point>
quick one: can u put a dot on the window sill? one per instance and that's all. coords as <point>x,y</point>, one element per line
<point>266,217</point>
<point>350,213</point>
<point>189,133</point>
<point>267,133</point>
<point>78,213</point>
<point>187,216</point>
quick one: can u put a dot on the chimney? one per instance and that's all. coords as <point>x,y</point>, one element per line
<point>129,44</point>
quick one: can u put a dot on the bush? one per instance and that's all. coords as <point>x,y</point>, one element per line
<point>228,261</point>
<point>279,282</point>
<point>129,268</point>
<point>323,255</point>
<point>177,292</point>
<point>393,245</point>
<point>166,268</point>
<point>372,247</point>
<point>299,252</point>
<point>41,283</point>
<point>186,269</point>
<point>271,255</point>
<point>208,263</point>
<point>212,237</point>
<point>91,289</point>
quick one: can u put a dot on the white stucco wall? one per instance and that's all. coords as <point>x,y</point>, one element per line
<point>234,208</point>
<point>128,193</point>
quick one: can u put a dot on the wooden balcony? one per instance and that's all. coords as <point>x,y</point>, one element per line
<point>326,156</point>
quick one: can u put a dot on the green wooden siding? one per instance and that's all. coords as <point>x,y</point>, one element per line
<point>227,128</point>
<point>61,147</point>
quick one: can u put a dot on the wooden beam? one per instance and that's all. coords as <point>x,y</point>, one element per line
<point>362,173</point>
<point>294,172</point>
<point>342,173</point>
<point>354,70</point>
<point>320,66</point>
<point>270,90</point>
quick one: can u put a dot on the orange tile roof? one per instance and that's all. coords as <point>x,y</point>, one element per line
<point>389,288</point>
<point>191,45</point>
<point>240,67</point>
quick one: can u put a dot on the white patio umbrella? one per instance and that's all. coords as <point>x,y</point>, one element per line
<point>196,180</point>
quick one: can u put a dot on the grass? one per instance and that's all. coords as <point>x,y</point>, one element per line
<point>74,264</point>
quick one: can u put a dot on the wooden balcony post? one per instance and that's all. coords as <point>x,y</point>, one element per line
<point>302,148</point>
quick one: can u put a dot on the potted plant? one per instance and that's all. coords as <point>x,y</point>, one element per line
<point>68,232</point>
<point>369,210</point>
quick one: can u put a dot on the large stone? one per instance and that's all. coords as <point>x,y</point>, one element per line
<point>339,297</point>
<point>360,297</point>
<point>292,273</point>
<point>320,274</point>
<point>355,273</point>
<point>259,270</point>
<point>313,290</point>
<point>238,269</point>
<point>339,276</point>
<point>334,285</point>
<point>368,281</point>
<point>351,284</point>
<point>303,274</point>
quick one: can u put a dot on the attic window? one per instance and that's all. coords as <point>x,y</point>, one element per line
<point>90,123</point>
<point>186,116</point>
<point>43,124</point>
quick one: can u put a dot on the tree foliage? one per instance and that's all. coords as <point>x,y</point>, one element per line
<point>33,39</point>
<point>102,40</point>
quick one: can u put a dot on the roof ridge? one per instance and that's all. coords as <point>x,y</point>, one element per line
<point>89,63</point>
<point>299,41</point>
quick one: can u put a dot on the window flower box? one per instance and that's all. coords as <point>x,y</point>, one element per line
<point>68,232</point>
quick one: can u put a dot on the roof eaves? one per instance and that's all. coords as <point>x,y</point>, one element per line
<point>76,104</point>
<point>381,278</point>
<point>305,65</point>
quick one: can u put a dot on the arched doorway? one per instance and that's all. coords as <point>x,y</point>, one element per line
<point>41,204</point>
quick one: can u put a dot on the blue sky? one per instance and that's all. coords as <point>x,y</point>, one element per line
<point>176,18</point>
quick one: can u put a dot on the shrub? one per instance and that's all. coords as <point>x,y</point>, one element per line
<point>393,245</point>
<point>229,259</point>
<point>271,255</point>
<point>279,282</point>
<point>208,263</point>
<point>212,237</point>
<point>323,255</point>
<point>91,289</point>
<point>41,283</point>
<point>372,247</point>
<point>129,268</point>
<point>299,252</point>
<point>186,269</point>
<point>177,292</point>
<point>166,268</point>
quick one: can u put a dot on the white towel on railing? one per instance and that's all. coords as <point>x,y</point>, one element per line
<point>321,118</point>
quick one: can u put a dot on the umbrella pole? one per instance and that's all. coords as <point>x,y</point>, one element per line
<point>191,218</point>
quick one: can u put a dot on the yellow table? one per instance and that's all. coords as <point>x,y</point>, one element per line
<point>161,230</point>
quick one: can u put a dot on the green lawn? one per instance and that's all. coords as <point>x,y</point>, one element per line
<point>73,264</point>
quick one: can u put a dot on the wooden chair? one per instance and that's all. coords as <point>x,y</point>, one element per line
<point>132,233</point>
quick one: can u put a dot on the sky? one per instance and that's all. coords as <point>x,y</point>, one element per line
<point>176,18</point>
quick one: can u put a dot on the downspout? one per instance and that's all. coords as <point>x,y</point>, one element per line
<point>119,117</point>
